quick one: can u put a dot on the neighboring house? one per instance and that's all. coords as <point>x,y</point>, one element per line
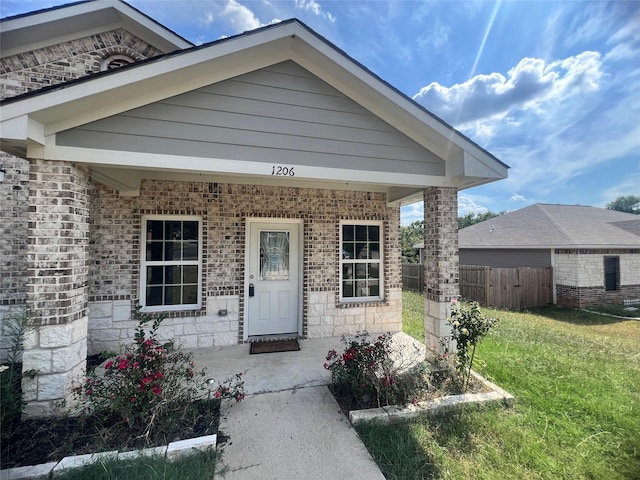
<point>594,252</point>
<point>250,187</point>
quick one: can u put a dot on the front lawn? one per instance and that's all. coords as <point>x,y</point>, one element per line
<point>576,379</point>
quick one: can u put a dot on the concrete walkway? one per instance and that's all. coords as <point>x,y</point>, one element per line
<point>289,426</point>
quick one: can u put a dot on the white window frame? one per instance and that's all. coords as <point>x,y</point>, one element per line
<point>144,264</point>
<point>380,262</point>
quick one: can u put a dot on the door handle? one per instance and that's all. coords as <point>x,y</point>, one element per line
<point>251,290</point>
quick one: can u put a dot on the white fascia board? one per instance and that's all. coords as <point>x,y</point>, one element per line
<point>22,128</point>
<point>249,169</point>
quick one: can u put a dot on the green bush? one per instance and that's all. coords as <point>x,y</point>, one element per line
<point>367,373</point>
<point>148,381</point>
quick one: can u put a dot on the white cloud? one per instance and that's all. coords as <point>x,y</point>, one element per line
<point>466,204</point>
<point>240,17</point>
<point>436,36</point>
<point>315,8</point>
<point>411,213</point>
<point>529,85</point>
<point>517,198</point>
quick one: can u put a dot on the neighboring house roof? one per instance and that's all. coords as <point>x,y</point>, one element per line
<point>51,26</point>
<point>30,122</point>
<point>555,226</point>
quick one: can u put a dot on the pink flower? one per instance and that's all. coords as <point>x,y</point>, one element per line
<point>133,399</point>
<point>89,392</point>
<point>108,365</point>
<point>146,380</point>
<point>136,364</point>
<point>454,301</point>
<point>123,364</point>
<point>158,375</point>
<point>157,390</point>
<point>240,397</point>
<point>217,394</point>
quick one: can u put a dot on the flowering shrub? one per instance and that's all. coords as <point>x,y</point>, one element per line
<point>468,326</point>
<point>232,387</point>
<point>367,372</point>
<point>147,381</point>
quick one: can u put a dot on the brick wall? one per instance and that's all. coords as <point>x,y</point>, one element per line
<point>579,276</point>
<point>114,268</point>
<point>21,74</point>
<point>60,63</point>
<point>440,260</point>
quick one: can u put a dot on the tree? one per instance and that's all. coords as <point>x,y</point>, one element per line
<point>409,236</point>
<point>628,204</point>
<point>473,218</point>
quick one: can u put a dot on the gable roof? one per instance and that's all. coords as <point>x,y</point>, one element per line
<point>555,226</point>
<point>51,26</point>
<point>31,121</point>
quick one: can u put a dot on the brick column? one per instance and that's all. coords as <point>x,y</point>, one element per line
<point>58,257</point>
<point>440,261</point>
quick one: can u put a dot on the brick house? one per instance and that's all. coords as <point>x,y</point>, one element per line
<point>594,252</point>
<point>250,187</point>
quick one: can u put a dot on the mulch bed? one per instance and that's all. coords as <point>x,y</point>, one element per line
<point>36,441</point>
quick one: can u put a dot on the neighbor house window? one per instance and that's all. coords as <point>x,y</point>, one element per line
<point>171,273</point>
<point>361,261</point>
<point>611,273</point>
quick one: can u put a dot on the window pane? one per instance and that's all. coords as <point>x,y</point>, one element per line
<point>190,273</point>
<point>172,251</point>
<point>361,270</point>
<point>361,250</point>
<point>173,230</point>
<point>190,251</point>
<point>361,233</point>
<point>374,250</point>
<point>348,251</point>
<point>190,294</point>
<point>154,296</point>
<point>154,251</point>
<point>374,288</point>
<point>362,289</point>
<point>348,233</point>
<point>173,275</point>
<point>190,231</point>
<point>154,276</point>
<point>374,270</point>
<point>374,233</point>
<point>347,289</point>
<point>347,271</point>
<point>274,255</point>
<point>155,229</point>
<point>172,295</point>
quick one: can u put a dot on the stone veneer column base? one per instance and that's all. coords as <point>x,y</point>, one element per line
<point>58,354</point>
<point>436,327</point>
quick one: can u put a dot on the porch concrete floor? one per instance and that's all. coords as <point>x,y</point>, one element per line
<point>289,426</point>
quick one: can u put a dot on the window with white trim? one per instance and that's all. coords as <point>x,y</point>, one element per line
<point>171,273</point>
<point>361,261</point>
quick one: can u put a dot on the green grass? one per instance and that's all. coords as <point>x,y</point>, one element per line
<point>198,466</point>
<point>576,379</point>
<point>413,314</point>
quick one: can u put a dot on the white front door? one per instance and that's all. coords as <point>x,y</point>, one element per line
<point>273,278</point>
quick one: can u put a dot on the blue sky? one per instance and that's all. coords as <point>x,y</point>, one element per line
<point>550,88</point>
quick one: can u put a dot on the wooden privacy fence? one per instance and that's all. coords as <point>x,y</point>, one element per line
<point>510,288</point>
<point>413,276</point>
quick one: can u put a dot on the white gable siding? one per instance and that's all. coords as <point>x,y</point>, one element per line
<point>280,114</point>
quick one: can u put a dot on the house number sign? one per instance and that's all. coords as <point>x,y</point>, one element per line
<point>282,171</point>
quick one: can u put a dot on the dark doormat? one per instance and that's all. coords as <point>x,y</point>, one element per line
<point>274,346</point>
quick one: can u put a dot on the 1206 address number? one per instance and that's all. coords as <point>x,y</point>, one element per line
<point>280,171</point>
